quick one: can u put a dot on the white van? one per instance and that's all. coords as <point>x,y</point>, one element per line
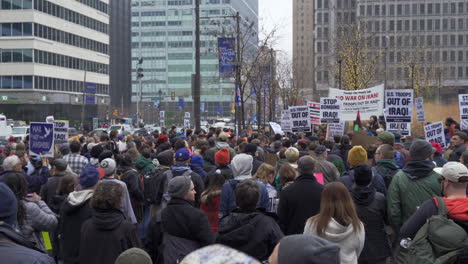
<point>5,130</point>
<point>121,128</point>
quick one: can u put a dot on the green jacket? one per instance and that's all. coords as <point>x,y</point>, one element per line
<point>144,165</point>
<point>409,188</point>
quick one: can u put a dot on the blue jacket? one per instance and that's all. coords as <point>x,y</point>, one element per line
<point>377,181</point>
<point>228,199</point>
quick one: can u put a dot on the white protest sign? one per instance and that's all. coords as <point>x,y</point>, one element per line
<point>286,124</point>
<point>435,133</point>
<point>399,106</point>
<point>463,102</point>
<point>336,129</point>
<point>186,123</point>
<point>314,110</point>
<point>464,124</point>
<point>421,116</point>
<point>330,110</point>
<point>300,118</point>
<point>187,115</point>
<point>276,128</point>
<point>404,129</point>
<point>162,115</point>
<point>368,102</point>
<point>60,131</point>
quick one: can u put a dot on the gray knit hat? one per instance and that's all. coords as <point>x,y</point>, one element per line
<point>179,186</point>
<point>134,256</point>
<point>307,249</point>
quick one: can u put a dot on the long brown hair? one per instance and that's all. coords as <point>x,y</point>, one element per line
<point>336,203</point>
<point>287,174</point>
<point>264,172</point>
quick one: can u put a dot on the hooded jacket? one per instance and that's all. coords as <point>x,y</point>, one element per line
<point>253,233</point>
<point>328,169</point>
<point>39,218</point>
<point>241,169</point>
<point>144,165</point>
<point>73,213</point>
<point>377,182</point>
<point>387,168</point>
<point>456,153</point>
<point>371,209</point>
<point>351,241</point>
<point>410,187</point>
<point>14,248</point>
<point>105,236</point>
<point>220,145</point>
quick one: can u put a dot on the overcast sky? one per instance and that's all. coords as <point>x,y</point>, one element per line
<point>278,13</point>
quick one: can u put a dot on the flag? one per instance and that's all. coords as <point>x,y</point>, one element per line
<point>219,110</point>
<point>238,95</point>
<point>181,104</point>
<point>357,123</point>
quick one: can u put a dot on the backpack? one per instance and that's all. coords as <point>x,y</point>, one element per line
<point>150,181</point>
<point>386,177</point>
<point>169,175</point>
<point>439,241</point>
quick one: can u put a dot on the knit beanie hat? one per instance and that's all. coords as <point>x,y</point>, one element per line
<point>357,155</point>
<point>197,160</point>
<point>134,256</point>
<point>250,148</point>
<point>89,176</point>
<point>109,166</point>
<point>166,157</point>
<point>182,155</point>
<point>362,175</point>
<point>421,150</point>
<point>387,138</point>
<point>223,156</point>
<point>307,249</point>
<point>179,186</point>
<point>60,164</point>
<point>162,139</point>
<point>96,151</point>
<point>292,154</point>
<point>218,254</point>
<point>8,205</point>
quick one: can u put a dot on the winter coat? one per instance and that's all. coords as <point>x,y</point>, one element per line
<point>220,145</point>
<point>253,233</point>
<point>49,190</point>
<point>208,160</point>
<point>416,183</point>
<point>328,169</point>
<point>19,250</point>
<point>377,182</point>
<point>73,213</point>
<point>105,235</point>
<point>351,241</point>
<point>224,169</point>
<point>371,209</point>
<point>135,191</point>
<point>185,228</point>
<point>298,202</point>
<point>35,180</point>
<point>456,153</point>
<point>144,165</point>
<point>200,171</point>
<point>210,206</point>
<point>39,218</point>
<point>386,168</point>
<point>439,160</point>
<point>255,165</point>
<point>342,152</point>
<point>338,162</point>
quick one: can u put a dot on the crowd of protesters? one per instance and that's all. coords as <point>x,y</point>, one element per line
<point>213,197</point>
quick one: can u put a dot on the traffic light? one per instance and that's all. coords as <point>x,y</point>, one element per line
<point>140,73</point>
<point>172,95</point>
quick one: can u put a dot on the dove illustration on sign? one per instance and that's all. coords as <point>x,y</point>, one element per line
<point>47,131</point>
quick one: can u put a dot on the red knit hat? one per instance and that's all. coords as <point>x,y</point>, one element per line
<point>163,139</point>
<point>222,156</point>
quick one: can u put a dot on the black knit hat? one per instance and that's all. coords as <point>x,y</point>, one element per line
<point>362,175</point>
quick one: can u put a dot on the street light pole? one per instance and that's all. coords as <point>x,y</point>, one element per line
<point>339,70</point>
<point>84,102</point>
<point>197,85</point>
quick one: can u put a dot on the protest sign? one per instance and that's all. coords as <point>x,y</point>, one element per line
<point>463,102</point>
<point>95,122</point>
<point>404,129</point>
<point>286,125</point>
<point>336,129</point>
<point>330,110</point>
<point>300,118</point>
<point>435,133</point>
<point>60,131</point>
<point>41,139</point>
<point>276,128</point>
<point>368,102</point>
<point>187,120</point>
<point>399,106</point>
<point>464,124</point>
<point>314,110</point>
<point>421,116</point>
<point>162,115</point>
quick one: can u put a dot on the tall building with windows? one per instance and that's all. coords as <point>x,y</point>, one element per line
<point>163,35</point>
<point>303,43</point>
<point>54,56</point>
<point>419,44</point>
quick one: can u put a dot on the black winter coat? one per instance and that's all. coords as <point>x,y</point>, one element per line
<point>49,190</point>
<point>253,233</point>
<point>371,209</point>
<point>105,236</point>
<point>298,202</point>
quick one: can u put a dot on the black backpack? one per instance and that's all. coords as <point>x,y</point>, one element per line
<point>151,183</point>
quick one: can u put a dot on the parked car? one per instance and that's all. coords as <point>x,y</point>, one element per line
<point>121,128</point>
<point>98,131</point>
<point>20,132</point>
<point>72,132</point>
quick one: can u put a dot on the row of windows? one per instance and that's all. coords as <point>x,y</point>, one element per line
<point>55,84</point>
<point>16,29</point>
<point>16,82</point>
<point>96,4</point>
<point>16,4</point>
<point>425,41</point>
<point>162,33</point>
<point>179,2</point>
<point>16,55</point>
<point>69,15</point>
<point>70,39</point>
<point>417,25</point>
<point>59,60</point>
<point>414,9</point>
<point>160,45</point>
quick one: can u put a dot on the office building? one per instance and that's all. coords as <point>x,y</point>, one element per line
<point>51,53</point>
<point>163,35</point>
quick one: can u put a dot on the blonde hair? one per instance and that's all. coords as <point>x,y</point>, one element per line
<point>264,172</point>
<point>292,154</point>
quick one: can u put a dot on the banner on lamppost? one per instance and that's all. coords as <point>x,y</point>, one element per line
<point>227,57</point>
<point>90,93</point>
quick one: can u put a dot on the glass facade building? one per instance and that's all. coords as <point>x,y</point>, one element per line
<point>163,34</point>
